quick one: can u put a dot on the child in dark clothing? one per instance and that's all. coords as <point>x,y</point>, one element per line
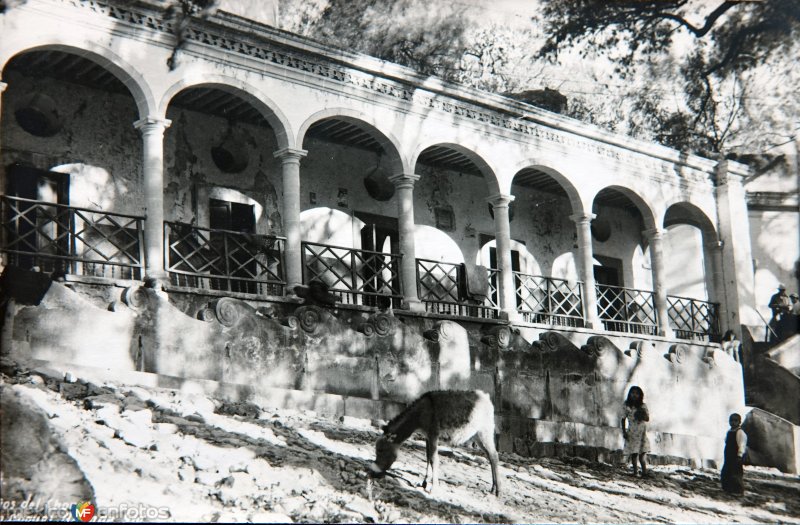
<point>636,415</point>
<point>735,445</point>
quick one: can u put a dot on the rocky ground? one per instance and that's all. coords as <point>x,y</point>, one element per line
<point>153,454</point>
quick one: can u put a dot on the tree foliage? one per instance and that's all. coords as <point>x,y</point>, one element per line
<point>441,39</point>
<point>714,57</point>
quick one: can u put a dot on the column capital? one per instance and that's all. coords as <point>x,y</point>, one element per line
<point>3,86</point>
<point>404,180</point>
<point>150,125</point>
<point>725,176</point>
<point>654,233</point>
<point>582,217</point>
<point>289,154</point>
<point>500,200</point>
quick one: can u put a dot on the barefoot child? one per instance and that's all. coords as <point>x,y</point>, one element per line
<point>735,446</point>
<point>635,432</point>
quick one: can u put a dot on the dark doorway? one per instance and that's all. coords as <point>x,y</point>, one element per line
<point>239,222</point>
<point>376,231</point>
<point>515,267</point>
<point>610,302</point>
<point>38,232</point>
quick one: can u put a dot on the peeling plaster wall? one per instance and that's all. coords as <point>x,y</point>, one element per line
<point>684,262</point>
<point>97,131</point>
<point>191,177</point>
<point>541,220</point>
<point>626,238</point>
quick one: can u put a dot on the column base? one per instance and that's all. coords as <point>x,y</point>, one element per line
<point>413,305</point>
<point>156,279</point>
<point>594,324</point>
<point>669,333</point>
<point>510,315</point>
<point>289,292</point>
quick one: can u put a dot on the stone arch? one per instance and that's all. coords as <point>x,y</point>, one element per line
<point>102,56</point>
<point>684,212</point>
<point>493,185</point>
<point>688,278</point>
<point>252,95</point>
<point>647,210</point>
<point>576,201</point>
<point>387,140</point>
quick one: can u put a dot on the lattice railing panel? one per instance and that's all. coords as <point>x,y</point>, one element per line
<point>693,318</point>
<point>439,281</point>
<point>224,260</point>
<point>441,288</point>
<point>549,300</point>
<point>80,241</point>
<point>627,309</point>
<point>354,276</point>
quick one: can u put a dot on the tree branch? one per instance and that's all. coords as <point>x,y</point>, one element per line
<point>709,23</point>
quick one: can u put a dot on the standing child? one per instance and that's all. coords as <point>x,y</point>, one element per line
<point>735,445</point>
<point>635,432</point>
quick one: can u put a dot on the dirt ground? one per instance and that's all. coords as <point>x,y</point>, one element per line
<point>149,454</point>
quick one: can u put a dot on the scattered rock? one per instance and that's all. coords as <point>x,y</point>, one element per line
<point>195,418</point>
<point>69,377</point>
<point>364,508</point>
<point>209,479</point>
<point>269,517</point>
<point>243,409</point>
<point>135,436</point>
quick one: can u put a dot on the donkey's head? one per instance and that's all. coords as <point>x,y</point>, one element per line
<point>385,455</point>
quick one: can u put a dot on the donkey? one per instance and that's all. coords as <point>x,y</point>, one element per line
<point>458,415</point>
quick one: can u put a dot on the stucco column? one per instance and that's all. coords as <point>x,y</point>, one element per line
<point>738,286</point>
<point>290,169</point>
<point>586,268</point>
<point>404,182</point>
<point>655,237</point>
<point>502,235</point>
<point>713,253</point>
<point>3,187</point>
<point>152,130</point>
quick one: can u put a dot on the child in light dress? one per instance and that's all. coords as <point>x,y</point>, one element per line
<point>634,430</point>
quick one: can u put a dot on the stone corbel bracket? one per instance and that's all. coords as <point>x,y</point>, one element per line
<point>311,318</point>
<point>597,346</point>
<point>497,337</point>
<point>380,324</point>
<point>137,298</point>
<point>636,350</point>
<point>441,331</point>
<point>230,312</point>
<point>553,342</point>
<point>677,354</point>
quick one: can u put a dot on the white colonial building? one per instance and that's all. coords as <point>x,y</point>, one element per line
<point>249,160</point>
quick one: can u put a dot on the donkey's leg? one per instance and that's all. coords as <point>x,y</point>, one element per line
<point>432,446</point>
<point>428,455</point>
<point>486,441</point>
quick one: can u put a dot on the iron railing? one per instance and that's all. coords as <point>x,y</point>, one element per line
<point>627,309</point>
<point>493,297</point>
<point>360,277</point>
<point>224,260</point>
<point>441,289</point>
<point>693,318</point>
<point>57,238</point>
<point>549,300</point>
